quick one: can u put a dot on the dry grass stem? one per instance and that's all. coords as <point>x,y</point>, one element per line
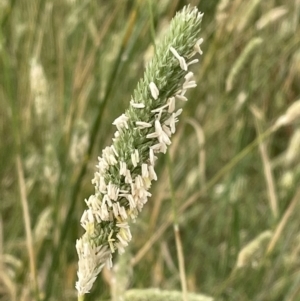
<point>280,227</point>
<point>27,225</point>
<point>201,156</point>
<point>180,257</point>
<point>267,166</point>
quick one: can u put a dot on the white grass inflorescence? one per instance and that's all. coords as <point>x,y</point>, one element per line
<point>126,168</point>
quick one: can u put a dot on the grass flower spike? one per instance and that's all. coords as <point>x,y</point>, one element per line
<point>126,168</point>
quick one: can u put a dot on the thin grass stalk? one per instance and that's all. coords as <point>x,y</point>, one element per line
<point>280,227</point>
<point>267,171</point>
<point>201,155</point>
<point>27,224</point>
<point>181,262</point>
<point>179,249</point>
<point>151,19</point>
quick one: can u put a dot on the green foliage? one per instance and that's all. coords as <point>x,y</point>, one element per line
<point>68,69</point>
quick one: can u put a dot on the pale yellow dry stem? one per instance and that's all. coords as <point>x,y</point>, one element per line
<point>267,166</point>
<point>156,209</point>
<point>283,222</point>
<point>250,251</point>
<point>179,249</point>
<point>167,257</point>
<point>27,224</point>
<point>201,156</point>
<point>180,257</point>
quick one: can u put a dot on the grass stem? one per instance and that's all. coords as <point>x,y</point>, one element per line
<point>180,255</point>
<point>27,224</point>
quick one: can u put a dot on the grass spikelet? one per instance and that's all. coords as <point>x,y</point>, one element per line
<point>39,90</point>
<point>237,189</point>
<point>291,116</point>
<point>254,250</point>
<point>79,142</point>
<point>27,226</point>
<point>43,225</point>
<point>291,155</point>
<point>250,48</point>
<point>293,149</point>
<point>271,16</point>
<point>246,14</point>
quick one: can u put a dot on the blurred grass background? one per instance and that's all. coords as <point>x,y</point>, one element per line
<point>68,69</point>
